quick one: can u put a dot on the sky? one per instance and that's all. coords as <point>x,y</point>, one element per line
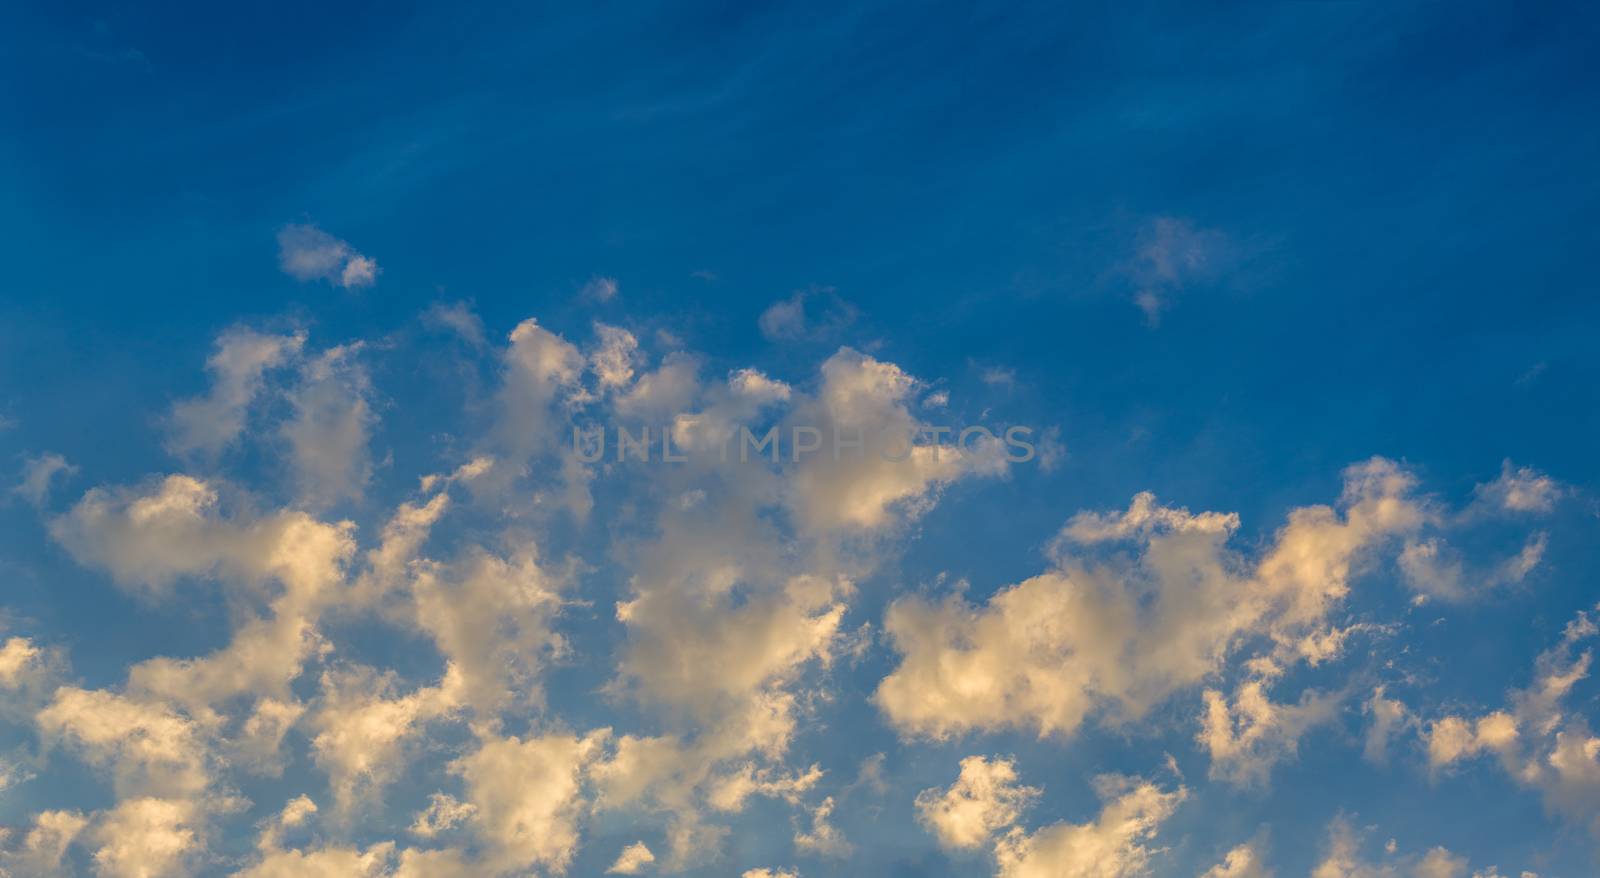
<point>308,311</point>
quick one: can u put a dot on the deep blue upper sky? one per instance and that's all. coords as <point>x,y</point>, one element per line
<point>1401,204</point>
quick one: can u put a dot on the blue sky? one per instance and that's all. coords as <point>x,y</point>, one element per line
<point>1323,266</point>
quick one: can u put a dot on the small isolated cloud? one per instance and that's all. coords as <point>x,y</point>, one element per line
<point>1171,256</point>
<point>37,474</point>
<point>1520,489</point>
<point>307,253</point>
<point>997,376</point>
<point>808,315</point>
<point>599,289</point>
<point>459,318</point>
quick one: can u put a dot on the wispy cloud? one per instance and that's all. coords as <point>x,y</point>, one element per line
<point>307,253</point>
<point>808,315</point>
<point>1172,255</point>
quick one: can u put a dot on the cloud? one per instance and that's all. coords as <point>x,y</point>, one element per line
<point>37,475</point>
<point>44,848</point>
<point>210,423</point>
<point>527,797</point>
<point>145,837</point>
<point>458,317</point>
<point>633,860</point>
<point>984,800</point>
<point>361,729</point>
<point>1520,490</point>
<point>1172,255</point>
<point>1112,846</point>
<point>808,315</point>
<point>1115,635</point>
<point>1246,738</point>
<point>331,424</point>
<point>1243,861</point>
<point>307,253</point>
<point>1536,741</point>
<point>823,839</point>
<point>443,813</point>
<point>599,289</point>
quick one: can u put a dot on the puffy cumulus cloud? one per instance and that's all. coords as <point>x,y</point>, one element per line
<point>444,812</point>
<point>1112,846</point>
<point>29,674</point>
<point>664,393</point>
<point>1536,741</point>
<point>528,797</point>
<point>1246,738</point>
<point>1440,863</point>
<point>41,851</point>
<point>1118,633</point>
<point>717,657</point>
<point>873,466</point>
<point>986,798</point>
<point>332,862</point>
<point>541,379</point>
<point>633,860</point>
<point>148,538</point>
<point>361,729</point>
<point>307,253</point>
<point>614,356</point>
<point>490,618</point>
<point>1244,861</point>
<point>238,367</point>
<point>296,812</point>
<point>1520,489</point>
<point>145,838</point>
<point>38,473</point>
<point>808,315</point>
<point>151,749</point>
<point>329,429</point>
<point>769,873</point>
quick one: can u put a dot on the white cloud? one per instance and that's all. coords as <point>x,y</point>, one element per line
<point>808,315</point>
<point>145,838</point>
<point>43,848</point>
<point>985,799</point>
<point>210,423</point>
<point>823,838</point>
<point>613,360</point>
<point>1247,738</point>
<point>633,860</point>
<point>1389,717</point>
<point>1118,634</point>
<point>1173,255</point>
<point>443,813</point>
<point>599,289</point>
<point>307,253</point>
<point>1244,861</point>
<point>361,729</point>
<point>1113,846</point>
<point>37,475</point>
<point>330,427</point>
<point>528,797</point>
<point>458,317</point>
<point>1520,490</point>
<point>1537,742</point>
